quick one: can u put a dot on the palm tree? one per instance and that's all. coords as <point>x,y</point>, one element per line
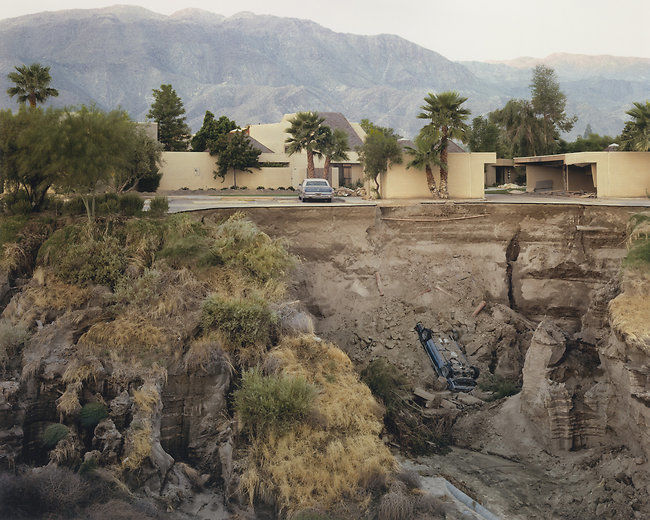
<point>308,134</point>
<point>522,128</point>
<point>426,154</point>
<point>636,135</point>
<point>447,117</point>
<point>32,83</point>
<point>334,147</point>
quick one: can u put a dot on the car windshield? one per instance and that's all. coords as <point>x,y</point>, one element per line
<point>317,183</point>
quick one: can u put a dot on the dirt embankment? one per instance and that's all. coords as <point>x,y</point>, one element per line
<point>573,442</point>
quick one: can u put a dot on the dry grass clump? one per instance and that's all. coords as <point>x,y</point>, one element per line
<point>137,446</point>
<point>206,352</point>
<point>245,325</point>
<point>161,292</point>
<point>395,505</point>
<point>47,492</point>
<point>319,463</point>
<point>20,239</point>
<point>630,310</point>
<point>56,295</point>
<point>83,255</point>
<point>240,244</point>
<point>272,402</point>
<point>12,339</point>
<point>128,338</point>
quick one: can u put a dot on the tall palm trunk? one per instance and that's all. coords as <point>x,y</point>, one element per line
<point>444,168</point>
<point>326,167</point>
<point>32,100</point>
<point>310,165</point>
<point>431,181</point>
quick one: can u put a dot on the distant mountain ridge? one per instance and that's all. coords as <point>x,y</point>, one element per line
<point>254,68</point>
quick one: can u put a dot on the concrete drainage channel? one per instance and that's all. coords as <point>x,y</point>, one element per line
<point>441,488</point>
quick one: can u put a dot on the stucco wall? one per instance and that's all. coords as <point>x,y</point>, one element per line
<point>194,170</point>
<point>535,173</point>
<point>466,178</point>
<point>614,174</point>
<point>627,174</point>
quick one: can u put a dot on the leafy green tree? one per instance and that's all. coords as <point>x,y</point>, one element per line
<point>212,128</point>
<point>369,126</point>
<point>167,110</point>
<point>591,143</point>
<point>521,128</point>
<point>335,147</point>
<point>235,152</point>
<point>483,135</point>
<point>31,84</point>
<point>143,159</point>
<point>379,150</point>
<point>549,103</point>
<point>447,116</point>
<point>92,145</point>
<point>636,133</point>
<point>28,152</point>
<point>306,133</point>
<point>425,155</point>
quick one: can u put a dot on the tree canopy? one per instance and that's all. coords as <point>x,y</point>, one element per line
<point>425,155</point>
<point>379,150</point>
<point>31,84</point>
<point>210,130</point>
<point>446,116</point>
<point>29,158</point>
<point>235,152</point>
<point>167,110</point>
<point>334,147</point>
<point>636,133</point>
<point>307,133</point>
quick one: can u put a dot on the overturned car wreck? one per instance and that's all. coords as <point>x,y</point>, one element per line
<point>448,360</point>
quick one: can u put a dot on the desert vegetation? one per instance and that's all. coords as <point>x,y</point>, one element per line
<point>145,298</point>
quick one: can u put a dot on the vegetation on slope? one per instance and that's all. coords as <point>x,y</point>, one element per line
<point>149,294</point>
<point>630,310</point>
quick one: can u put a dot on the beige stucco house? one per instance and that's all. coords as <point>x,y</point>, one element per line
<point>466,176</point>
<point>609,174</point>
<point>195,170</point>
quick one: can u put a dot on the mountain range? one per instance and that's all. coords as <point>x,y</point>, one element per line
<point>255,68</point>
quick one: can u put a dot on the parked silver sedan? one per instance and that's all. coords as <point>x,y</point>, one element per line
<point>315,189</point>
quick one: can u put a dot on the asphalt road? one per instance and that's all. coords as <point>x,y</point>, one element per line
<point>181,203</point>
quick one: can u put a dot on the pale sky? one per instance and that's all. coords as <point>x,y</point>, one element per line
<point>458,29</point>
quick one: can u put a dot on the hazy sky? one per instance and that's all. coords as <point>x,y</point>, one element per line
<point>458,29</point>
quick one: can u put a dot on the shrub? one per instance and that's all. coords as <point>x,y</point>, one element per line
<point>384,380</point>
<point>159,205</point>
<point>416,434</point>
<point>499,386</point>
<point>291,188</point>
<point>186,243</point>
<point>243,187</point>
<point>131,204</point>
<point>78,257</point>
<point>240,321</point>
<point>395,506</point>
<point>260,188</point>
<point>48,492</point>
<point>639,254</point>
<point>53,434</point>
<point>74,206</point>
<point>272,402</point>
<point>410,478</point>
<point>149,183</point>
<point>281,188</point>
<point>12,338</point>
<point>91,414</point>
<point>17,203</point>
<point>240,244</point>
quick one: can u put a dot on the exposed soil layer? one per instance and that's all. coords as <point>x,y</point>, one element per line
<point>369,274</point>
